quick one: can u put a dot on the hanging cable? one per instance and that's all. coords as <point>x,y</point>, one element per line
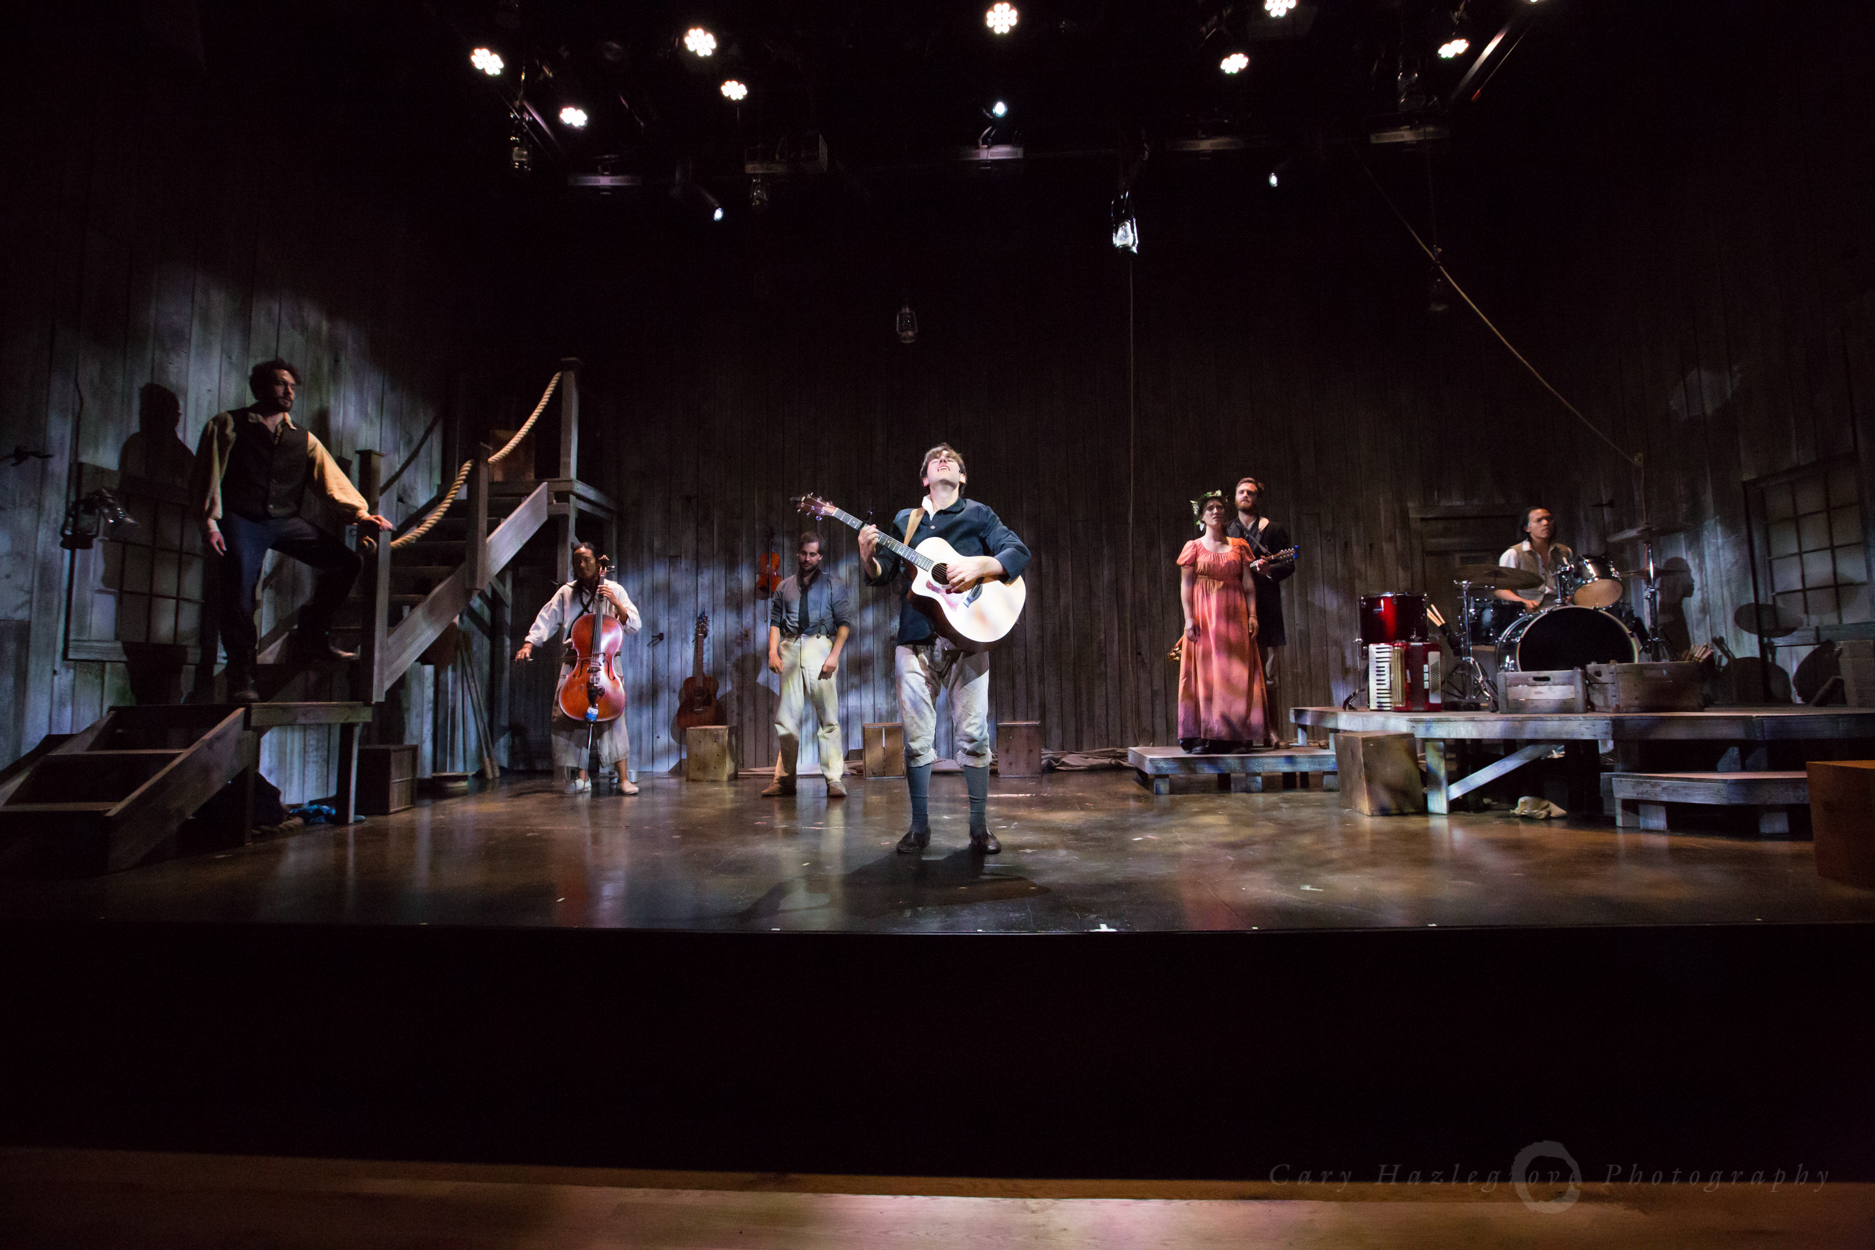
<point>1633,458</point>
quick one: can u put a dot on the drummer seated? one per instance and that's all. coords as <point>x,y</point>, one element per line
<point>1537,554</point>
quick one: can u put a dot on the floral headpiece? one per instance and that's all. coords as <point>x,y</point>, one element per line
<point>1197,505</point>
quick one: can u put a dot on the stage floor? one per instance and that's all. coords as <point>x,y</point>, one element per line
<point>1082,851</point>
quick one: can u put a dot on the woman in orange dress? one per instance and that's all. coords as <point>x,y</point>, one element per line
<point>1220,677</point>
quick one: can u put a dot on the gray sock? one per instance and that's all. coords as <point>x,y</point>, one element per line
<point>978,780</point>
<point>918,781</point>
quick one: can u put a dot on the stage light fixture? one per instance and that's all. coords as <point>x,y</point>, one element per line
<point>758,194</point>
<point>574,117</point>
<point>1273,178</point>
<point>1001,18</point>
<point>999,109</point>
<point>1278,8</point>
<point>1235,63</point>
<point>700,41</point>
<point>488,61</point>
<point>1453,48</point>
<point>906,324</point>
<point>733,90</point>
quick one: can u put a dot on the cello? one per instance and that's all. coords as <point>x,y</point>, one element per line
<point>592,690</point>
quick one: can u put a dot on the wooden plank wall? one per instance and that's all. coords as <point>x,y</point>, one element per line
<point>145,253</point>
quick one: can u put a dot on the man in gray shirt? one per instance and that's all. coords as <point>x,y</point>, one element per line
<point>807,629</point>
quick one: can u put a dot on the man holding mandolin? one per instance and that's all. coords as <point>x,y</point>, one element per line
<point>588,594</point>
<point>928,660</point>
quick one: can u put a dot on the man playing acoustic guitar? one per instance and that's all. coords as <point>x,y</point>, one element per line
<point>926,662</point>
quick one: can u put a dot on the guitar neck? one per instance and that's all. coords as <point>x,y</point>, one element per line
<point>890,543</point>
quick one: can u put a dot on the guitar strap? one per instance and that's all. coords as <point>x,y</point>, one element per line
<point>911,526</point>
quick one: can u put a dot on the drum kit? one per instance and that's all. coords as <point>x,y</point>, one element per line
<point>1592,623</point>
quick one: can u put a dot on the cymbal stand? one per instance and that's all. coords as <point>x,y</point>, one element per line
<point>1656,645</point>
<point>1472,687</point>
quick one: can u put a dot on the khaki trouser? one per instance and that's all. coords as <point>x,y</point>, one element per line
<point>803,689</point>
<point>925,669</point>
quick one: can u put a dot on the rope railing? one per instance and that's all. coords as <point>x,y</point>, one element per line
<point>462,474</point>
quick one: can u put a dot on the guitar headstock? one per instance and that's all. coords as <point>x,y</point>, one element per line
<point>703,625</point>
<point>814,505</point>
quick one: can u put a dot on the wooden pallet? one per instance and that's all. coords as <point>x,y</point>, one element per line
<point>1240,774</point>
<point>1641,798</point>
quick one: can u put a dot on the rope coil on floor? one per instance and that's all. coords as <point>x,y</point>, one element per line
<point>462,474</point>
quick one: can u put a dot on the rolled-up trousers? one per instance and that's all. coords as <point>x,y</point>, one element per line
<point>923,671</point>
<point>805,694</point>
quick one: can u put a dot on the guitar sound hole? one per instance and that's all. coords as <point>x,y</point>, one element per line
<point>940,574</point>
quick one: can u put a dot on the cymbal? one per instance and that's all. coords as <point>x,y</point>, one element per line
<point>1647,533</point>
<point>1766,620</point>
<point>1496,576</point>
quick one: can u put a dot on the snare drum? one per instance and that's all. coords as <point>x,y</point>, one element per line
<point>1568,637</point>
<point>1595,582</point>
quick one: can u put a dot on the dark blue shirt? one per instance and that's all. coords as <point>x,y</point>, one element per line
<point>972,530</point>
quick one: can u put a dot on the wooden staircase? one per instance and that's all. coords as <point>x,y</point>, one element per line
<point>102,799</point>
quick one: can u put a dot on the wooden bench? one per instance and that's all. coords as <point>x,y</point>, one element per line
<point>1240,774</point>
<point>1641,798</point>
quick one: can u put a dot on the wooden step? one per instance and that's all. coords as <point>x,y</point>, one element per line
<point>434,572</point>
<point>1154,767</point>
<point>97,776</point>
<point>1641,798</point>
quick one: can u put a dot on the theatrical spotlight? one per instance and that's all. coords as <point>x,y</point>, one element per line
<point>1453,48</point>
<point>488,61</point>
<point>1439,295</point>
<point>1278,8</point>
<point>1235,63</point>
<point>999,109</point>
<point>733,90</point>
<point>906,324</point>
<point>1125,225</point>
<point>520,153</point>
<point>685,189</point>
<point>758,194</point>
<point>699,41</point>
<point>1001,18</point>
<point>574,117</point>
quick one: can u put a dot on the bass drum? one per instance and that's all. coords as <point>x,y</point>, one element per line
<point>1566,638</point>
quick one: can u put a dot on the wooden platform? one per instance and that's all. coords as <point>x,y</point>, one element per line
<point>1641,798</point>
<point>1579,732</point>
<point>1156,766</point>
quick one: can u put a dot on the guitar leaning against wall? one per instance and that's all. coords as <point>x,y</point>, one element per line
<point>696,702</point>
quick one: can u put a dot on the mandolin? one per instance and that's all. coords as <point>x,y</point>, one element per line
<point>696,702</point>
<point>975,618</point>
<point>591,689</point>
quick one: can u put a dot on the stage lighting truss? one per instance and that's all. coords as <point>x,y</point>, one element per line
<point>699,41</point>
<point>1235,63</point>
<point>574,117</point>
<point>1001,18</point>
<point>1452,48</point>
<point>733,90</point>
<point>488,61</point>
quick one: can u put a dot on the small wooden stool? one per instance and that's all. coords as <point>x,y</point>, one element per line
<point>1019,748</point>
<point>1842,820</point>
<point>387,779</point>
<point>885,749</point>
<point>710,752</point>
<point>1379,773</point>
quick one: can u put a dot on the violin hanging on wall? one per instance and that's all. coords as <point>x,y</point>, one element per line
<point>768,567</point>
<point>592,690</point>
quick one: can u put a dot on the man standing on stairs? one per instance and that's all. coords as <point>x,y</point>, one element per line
<point>927,662</point>
<point>807,630</point>
<point>252,470</point>
<point>572,738</point>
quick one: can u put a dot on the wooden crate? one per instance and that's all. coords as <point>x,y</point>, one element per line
<point>1842,820</point>
<point>1559,690</point>
<point>1379,773</point>
<point>1671,687</point>
<point>1019,748</point>
<point>884,749</point>
<point>710,752</point>
<point>387,779</point>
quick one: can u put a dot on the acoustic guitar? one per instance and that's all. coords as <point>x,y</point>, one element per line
<point>975,618</point>
<point>696,702</point>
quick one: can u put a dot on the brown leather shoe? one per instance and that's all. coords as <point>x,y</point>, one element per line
<point>779,788</point>
<point>836,789</point>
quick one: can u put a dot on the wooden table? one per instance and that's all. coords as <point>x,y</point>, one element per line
<point>1578,733</point>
